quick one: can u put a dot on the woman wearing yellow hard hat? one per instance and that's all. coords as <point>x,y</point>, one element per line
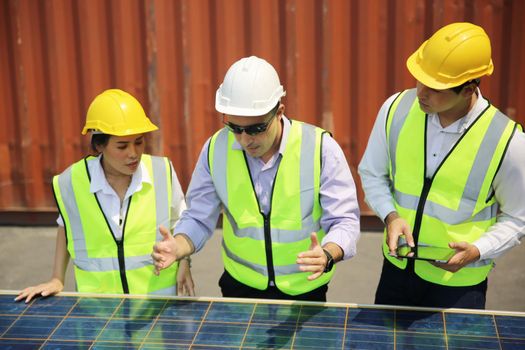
<point>111,206</point>
<point>445,170</point>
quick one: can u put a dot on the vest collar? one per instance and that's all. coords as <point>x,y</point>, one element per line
<point>99,183</point>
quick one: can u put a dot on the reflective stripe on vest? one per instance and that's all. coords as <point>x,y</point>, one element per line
<point>459,204</point>
<point>94,250</point>
<point>295,211</point>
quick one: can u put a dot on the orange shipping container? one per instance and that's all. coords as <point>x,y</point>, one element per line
<point>338,60</point>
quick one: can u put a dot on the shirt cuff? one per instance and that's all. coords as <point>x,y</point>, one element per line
<point>347,242</point>
<point>384,209</point>
<point>193,232</point>
<point>484,246</point>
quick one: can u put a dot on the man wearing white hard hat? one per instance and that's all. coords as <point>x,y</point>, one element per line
<point>445,170</point>
<point>284,187</point>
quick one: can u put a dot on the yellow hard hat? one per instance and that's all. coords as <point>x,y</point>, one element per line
<point>455,54</point>
<point>115,112</point>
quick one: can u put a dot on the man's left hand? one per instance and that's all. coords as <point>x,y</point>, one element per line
<point>466,253</point>
<point>313,260</point>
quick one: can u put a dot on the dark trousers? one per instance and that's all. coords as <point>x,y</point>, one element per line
<point>231,288</point>
<point>404,287</point>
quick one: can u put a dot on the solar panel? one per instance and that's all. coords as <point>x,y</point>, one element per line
<point>76,321</point>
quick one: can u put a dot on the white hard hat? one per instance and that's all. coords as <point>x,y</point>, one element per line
<point>250,88</point>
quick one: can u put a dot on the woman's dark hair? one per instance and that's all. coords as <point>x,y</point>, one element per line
<point>99,140</point>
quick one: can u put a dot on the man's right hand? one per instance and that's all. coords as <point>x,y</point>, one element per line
<point>164,252</point>
<point>397,226</point>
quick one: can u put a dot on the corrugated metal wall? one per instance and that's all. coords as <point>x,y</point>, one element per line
<point>338,60</point>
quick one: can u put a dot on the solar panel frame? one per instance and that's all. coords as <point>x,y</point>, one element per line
<point>87,321</point>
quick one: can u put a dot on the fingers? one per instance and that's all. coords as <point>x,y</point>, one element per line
<point>186,288</point>
<point>409,238</point>
<point>26,294</point>
<point>166,234</point>
<point>31,296</point>
<point>31,292</point>
<point>397,227</point>
<point>316,270</point>
<point>315,275</point>
<point>392,244</point>
<point>157,257</point>
<point>315,241</point>
<point>311,261</point>
<point>459,245</point>
<point>191,289</point>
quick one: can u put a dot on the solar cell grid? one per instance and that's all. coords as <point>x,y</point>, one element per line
<point>74,321</point>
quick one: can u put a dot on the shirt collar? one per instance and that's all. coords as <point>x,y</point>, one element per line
<point>100,183</point>
<point>463,123</point>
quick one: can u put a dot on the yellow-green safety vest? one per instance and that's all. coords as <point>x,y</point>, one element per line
<point>457,203</point>
<point>260,249</point>
<point>102,263</point>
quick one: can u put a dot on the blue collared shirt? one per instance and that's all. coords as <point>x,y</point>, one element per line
<point>338,196</point>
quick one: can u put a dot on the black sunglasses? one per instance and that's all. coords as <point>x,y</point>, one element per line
<point>251,130</point>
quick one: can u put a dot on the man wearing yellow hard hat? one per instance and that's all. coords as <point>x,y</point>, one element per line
<point>445,170</point>
<point>111,206</point>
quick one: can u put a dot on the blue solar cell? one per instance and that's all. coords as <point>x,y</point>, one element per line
<point>369,339</point>
<point>95,307</point>
<point>470,324</point>
<point>37,327</point>
<point>230,312</point>
<point>178,332</point>
<point>472,342</point>
<point>51,306</point>
<point>75,328</point>
<point>223,334</point>
<point>510,326</point>
<point>20,344</point>
<point>276,314</point>
<point>187,310</point>
<point>9,307</point>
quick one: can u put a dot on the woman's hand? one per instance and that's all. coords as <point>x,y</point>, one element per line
<point>185,285</point>
<point>54,286</point>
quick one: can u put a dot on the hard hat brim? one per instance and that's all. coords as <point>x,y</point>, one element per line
<point>119,131</point>
<point>419,74</point>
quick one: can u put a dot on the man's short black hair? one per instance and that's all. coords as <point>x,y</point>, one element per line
<point>274,109</point>
<point>457,89</point>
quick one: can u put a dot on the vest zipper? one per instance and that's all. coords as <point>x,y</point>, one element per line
<point>267,224</point>
<point>120,254</point>
<point>420,207</point>
<point>122,265</point>
<point>419,217</point>
<point>268,249</point>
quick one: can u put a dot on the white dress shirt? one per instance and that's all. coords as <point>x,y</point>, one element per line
<point>109,200</point>
<point>508,184</point>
